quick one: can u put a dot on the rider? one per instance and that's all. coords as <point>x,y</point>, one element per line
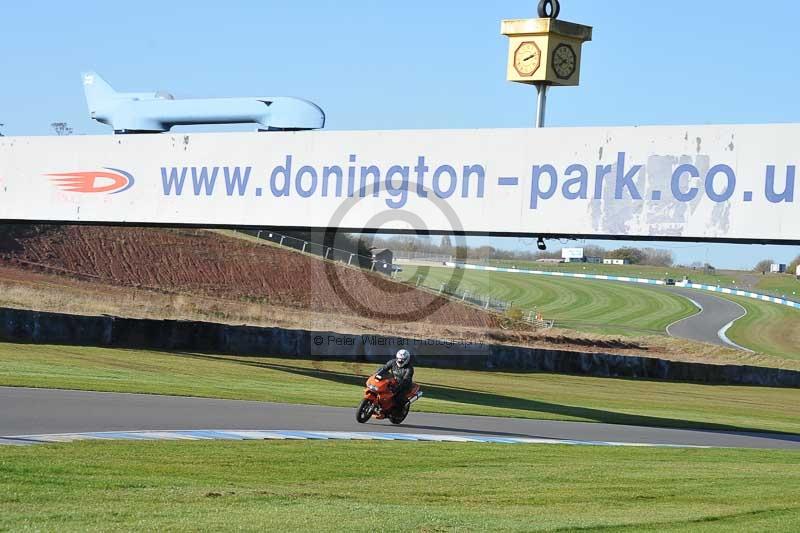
<point>403,371</point>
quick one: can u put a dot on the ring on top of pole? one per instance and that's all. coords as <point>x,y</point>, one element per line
<point>549,9</point>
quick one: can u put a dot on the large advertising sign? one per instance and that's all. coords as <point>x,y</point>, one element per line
<point>734,183</point>
<point>572,253</point>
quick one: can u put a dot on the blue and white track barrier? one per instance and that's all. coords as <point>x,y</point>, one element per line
<point>644,281</point>
<point>230,435</point>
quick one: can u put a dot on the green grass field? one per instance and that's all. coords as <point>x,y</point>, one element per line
<point>618,308</point>
<point>725,278</point>
<point>601,306</point>
<point>389,486</point>
<point>774,284</point>
<point>780,285</point>
<point>522,395</point>
<point>767,328</point>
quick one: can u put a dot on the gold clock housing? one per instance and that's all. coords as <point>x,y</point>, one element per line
<point>545,51</point>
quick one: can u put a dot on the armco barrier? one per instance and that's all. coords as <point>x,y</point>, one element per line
<point>746,294</point>
<point>712,288</point>
<point>54,328</point>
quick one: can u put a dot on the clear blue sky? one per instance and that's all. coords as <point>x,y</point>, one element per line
<point>413,64</point>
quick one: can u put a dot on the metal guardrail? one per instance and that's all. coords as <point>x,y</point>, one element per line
<point>325,252</point>
<point>491,304</point>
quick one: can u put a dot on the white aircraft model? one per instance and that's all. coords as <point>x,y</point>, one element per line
<point>159,111</point>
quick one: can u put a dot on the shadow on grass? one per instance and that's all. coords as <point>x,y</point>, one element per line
<point>486,399</point>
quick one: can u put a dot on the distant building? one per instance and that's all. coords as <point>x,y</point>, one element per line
<point>383,259</point>
<point>616,262</point>
<point>572,255</point>
<point>549,260</point>
<point>576,255</point>
<point>777,268</point>
<point>797,273</point>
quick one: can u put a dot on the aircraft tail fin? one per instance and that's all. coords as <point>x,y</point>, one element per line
<point>97,90</point>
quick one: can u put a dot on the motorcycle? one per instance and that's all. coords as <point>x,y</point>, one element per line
<point>379,401</point>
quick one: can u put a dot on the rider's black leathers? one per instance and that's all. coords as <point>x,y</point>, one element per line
<point>403,374</point>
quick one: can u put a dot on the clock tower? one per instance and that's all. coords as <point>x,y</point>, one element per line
<point>545,51</point>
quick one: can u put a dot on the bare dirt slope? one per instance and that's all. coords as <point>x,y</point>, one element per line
<point>202,263</point>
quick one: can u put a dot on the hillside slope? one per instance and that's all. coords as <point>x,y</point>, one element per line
<point>206,275</point>
<point>206,264</point>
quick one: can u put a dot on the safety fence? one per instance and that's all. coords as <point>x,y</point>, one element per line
<point>325,252</point>
<point>532,316</point>
<point>746,294</point>
<point>469,297</point>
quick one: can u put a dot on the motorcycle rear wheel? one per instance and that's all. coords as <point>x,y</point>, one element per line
<point>399,416</point>
<point>364,411</point>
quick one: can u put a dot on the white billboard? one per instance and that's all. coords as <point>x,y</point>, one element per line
<point>572,253</point>
<point>691,182</point>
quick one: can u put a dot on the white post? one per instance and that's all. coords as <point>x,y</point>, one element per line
<point>304,245</point>
<point>350,260</point>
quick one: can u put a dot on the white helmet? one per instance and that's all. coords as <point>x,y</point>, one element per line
<point>402,357</point>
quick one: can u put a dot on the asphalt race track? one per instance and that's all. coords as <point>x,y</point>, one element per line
<point>43,411</point>
<point>705,326</point>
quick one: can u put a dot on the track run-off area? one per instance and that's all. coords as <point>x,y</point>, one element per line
<point>604,306</point>
<point>40,412</point>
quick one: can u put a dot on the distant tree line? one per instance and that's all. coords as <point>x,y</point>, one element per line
<point>765,266</point>
<point>794,264</point>
<point>444,246</point>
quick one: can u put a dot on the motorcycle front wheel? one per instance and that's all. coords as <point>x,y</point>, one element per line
<point>364,411</point>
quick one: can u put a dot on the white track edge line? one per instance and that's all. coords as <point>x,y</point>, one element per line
<point>723,332</point>
<point>697,304</point>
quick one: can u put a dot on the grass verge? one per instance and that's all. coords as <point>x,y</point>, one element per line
<point>359,486</point>
<point>785,285</point>
<point>601,306</point>
<point>618,309</point>
<point>522,395</point>
<point>767,328</point>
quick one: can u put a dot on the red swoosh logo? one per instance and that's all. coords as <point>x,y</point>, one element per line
<point>96,181</point>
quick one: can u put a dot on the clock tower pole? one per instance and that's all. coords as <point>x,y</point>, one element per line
<point>544,52</point>
<point>541,105</point>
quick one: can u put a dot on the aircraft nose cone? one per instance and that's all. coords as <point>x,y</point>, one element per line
<point>294,113</point>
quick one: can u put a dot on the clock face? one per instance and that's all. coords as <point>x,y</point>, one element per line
<point>527,59</point>
<point>565,61</point>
